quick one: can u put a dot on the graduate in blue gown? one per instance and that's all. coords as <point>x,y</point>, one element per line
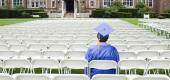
<point>102,51</point>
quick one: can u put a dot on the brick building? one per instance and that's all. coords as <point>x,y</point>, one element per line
<point>81,8</point>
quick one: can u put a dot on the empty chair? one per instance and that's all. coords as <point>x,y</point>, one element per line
<point>82,38</point>
<point>152,77</point>
<point>165,55</point>
<point>47,41</point>
<point>3,48</point>
<point>58,47</point>
<point>117,42</point>
<point>72,64</point>
<point>71,77</point>
<point>109,77</point>
<point>158,47</point>
<point>128,65</point>
<point>8,54</point>
<point>78,47</point>
<point>63,42</point>
<point>2,42</point>
<point>158,64</point>
<point>148,55</point>
<point>18,48</point>
<point>30,41</point>
<point>135,42</point>
<point>151,42</point>
<point>121,47</point>
<point>13,42</point>
<point>127,55</point>
<point>76,55</point>
<point>6,77</point>
<point>137,48</point>
<point>44,64</point>
<point>30,54</point>
<point>165,42</point>
<point>54,54</point>
<point>39,47</point>
<point>31,77</point>
<point>23,64</point>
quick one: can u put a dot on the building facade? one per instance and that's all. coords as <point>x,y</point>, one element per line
<point>80,7</point>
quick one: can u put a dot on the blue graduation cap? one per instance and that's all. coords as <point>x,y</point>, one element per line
<point>104,29</point>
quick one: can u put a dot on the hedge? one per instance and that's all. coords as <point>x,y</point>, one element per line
<point>41,14</point>
<point>133,11</point>
<point>166,15</point>
<point>5,13</point>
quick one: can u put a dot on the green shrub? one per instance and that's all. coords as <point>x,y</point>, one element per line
<point>15,13</point>
<point>41,14</point>
<point>133,11</point>
<point>26,15</point>
<point>98,13</point>
<point>31,11</point>
<point>161,17</point>
<point>4,13</point>
<point>121,15</point>
<point>166,15</point>
<point>152,14</point>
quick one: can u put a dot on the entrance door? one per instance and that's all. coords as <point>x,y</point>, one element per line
<point>69,6</point>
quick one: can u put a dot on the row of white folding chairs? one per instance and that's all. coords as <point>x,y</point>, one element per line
<point>80,77</point>
<point>136,48</point>
<point>42,47</point>
<point>45,55</point>
<point>65,66</point>
<point>145,55</point>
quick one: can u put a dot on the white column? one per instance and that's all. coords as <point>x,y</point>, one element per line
<point>12,4</point>
<point>75,8</point>
<point>62,8</point>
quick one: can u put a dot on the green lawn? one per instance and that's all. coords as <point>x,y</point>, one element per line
<point>12,21</point>
<point>131,20</point>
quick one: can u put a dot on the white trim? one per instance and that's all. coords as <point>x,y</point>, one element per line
<point>128,6</point>
<point>0,3</point>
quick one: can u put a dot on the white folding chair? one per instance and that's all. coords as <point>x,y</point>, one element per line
<point>151,42</point>
<point>54,55</point>
<point>71,77</point>
<point>18,48</point>
<point>76,55</point>
<point>6,77</point>
<point>78,47</point>
<point>3,48</point>
<point>165,55</point>
<point>158,64</point>
<point>13,42</point>
<point>23,64</point>
<point>121,47</point>
<point>128,65</point>
<point>135,42</point>
<point>127,55</point>
<point>137,48</point>
<point>30,54</point>
<point>148,55</point>
<point>38,47</point>
<point>58,47</point>
<point>67,65</point>
<point>31,77</point>
<point>8,54</point>
<point>45,64</point>
<point>158,47</point>
<point>152,77</point>
<point>106,64</point>
<point>109,77</point>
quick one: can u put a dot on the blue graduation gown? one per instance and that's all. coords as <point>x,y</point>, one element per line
<point>104,52</point>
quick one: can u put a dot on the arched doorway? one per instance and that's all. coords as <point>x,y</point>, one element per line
<point>69,6</point>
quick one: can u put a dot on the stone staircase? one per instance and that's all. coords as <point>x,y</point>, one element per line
<point>69,15</point>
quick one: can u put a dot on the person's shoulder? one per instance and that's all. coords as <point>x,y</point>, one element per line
<point>93,47</point>
<point>111,46</point>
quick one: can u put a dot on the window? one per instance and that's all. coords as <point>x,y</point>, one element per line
<point>107,3</point>
<point>53,3</point>
<point>2,2</point>
<point>147,2</point>
<point>92,3</point>
<point>128,3</point>
<point>17,2</point>
<point>38,3</point>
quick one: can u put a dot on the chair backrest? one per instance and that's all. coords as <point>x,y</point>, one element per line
<point>58,47</point>
<point>78,47</point>
<point>148,54</point>
<point>132,64</point>
<point>45,63</point>
<point>158,47</point>
<point>17,63</point>
<point>109,77</point>
<point>138,47</point>
<point>38,47</point>
<point>127,55</point>
<point>54,54</point>
<point>151,77</point>
<point>8,54</point>
<point>6,77</point>
<point>76,55</point>
<point>74,64</point>
<point>159,64</point>
<point>31,77</point>
<point>18,47</point>
<point>4,48</point>
<point>165,55</point>
<point>71,77</point>
<point>121,47</point>
<point>106,64</point>
<point>30,54</point>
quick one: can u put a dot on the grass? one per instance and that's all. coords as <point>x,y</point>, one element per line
<point>134,21</point>
<point>12,21</point>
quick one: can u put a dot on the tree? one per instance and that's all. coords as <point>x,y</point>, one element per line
<point>19,7</point>
<point>117,4</point>
<point>142,8</point>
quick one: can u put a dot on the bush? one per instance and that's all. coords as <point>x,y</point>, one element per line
<point>166,15</point>
<point>152,14</point>
<point>133,11</point>
<point>161,17</point>
<point>121,15</point>
<point>98,13</point>
<point>31,11</point>
<point>26,15</point>
<point>4,13</point>
<point>41,14</point>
